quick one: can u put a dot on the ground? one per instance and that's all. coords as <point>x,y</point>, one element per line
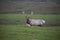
<point>13,27</point>
<point>23,32</point>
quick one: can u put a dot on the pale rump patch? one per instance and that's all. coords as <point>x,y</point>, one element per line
<point>43,22</point>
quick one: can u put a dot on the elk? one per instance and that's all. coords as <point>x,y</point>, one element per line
<point>34,22</point>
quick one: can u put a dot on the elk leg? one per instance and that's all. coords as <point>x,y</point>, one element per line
<point>28,25</point>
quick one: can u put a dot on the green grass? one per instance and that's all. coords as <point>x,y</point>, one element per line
<point>22,17</point>
<point>50,19</point>
<point>22,32</point>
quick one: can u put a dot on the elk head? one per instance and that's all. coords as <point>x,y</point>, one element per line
<point>27,19</point>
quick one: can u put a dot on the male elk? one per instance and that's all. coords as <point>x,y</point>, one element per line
<point>32,22</point>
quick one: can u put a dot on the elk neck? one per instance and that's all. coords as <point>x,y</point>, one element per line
<point>28,21</point>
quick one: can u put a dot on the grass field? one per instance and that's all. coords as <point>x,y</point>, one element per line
<point>20,18</point>
<point>23,32</point>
